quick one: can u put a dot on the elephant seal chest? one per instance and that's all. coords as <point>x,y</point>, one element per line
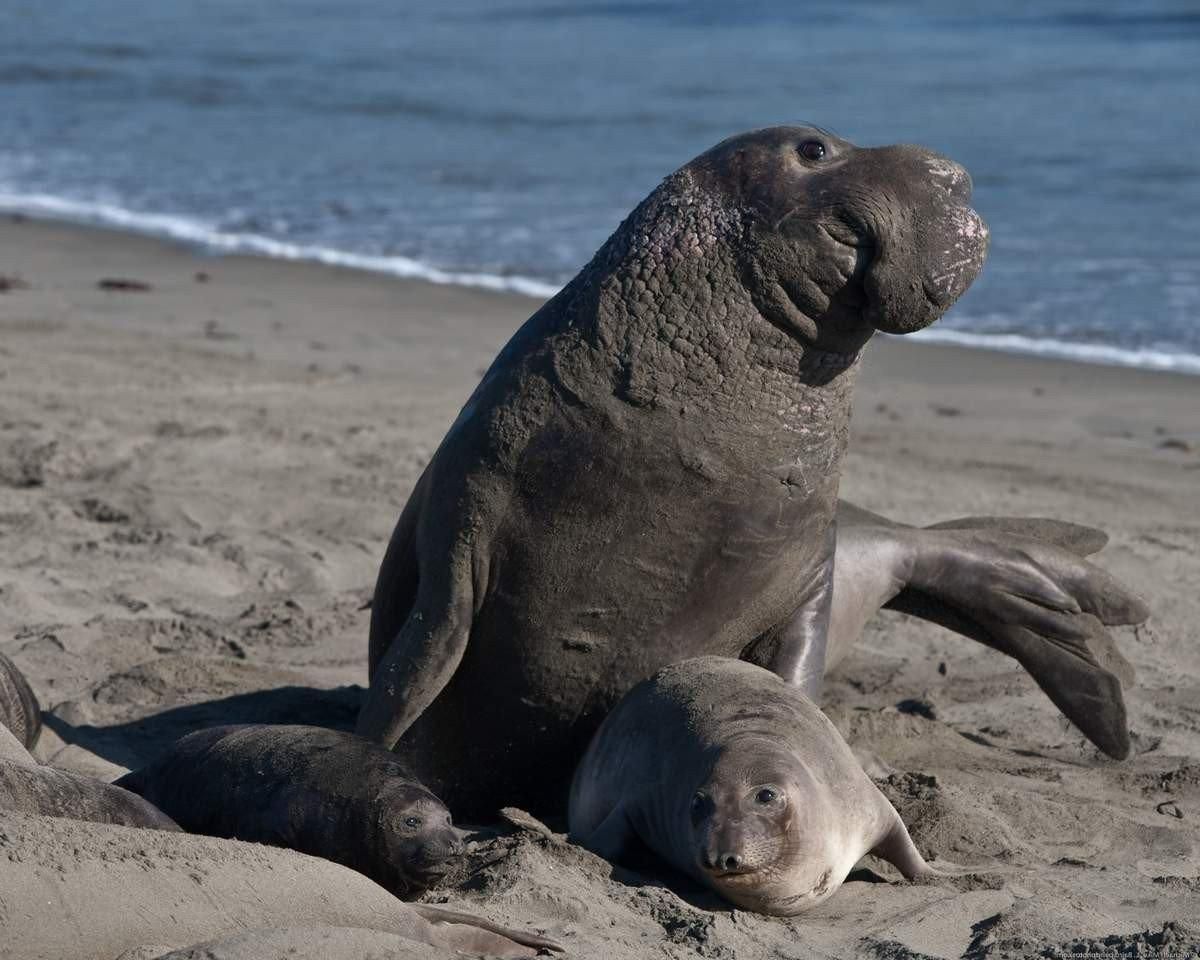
<point>736,779</point>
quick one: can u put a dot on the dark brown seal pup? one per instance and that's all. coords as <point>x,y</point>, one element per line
<point>19,710</point>
<point>736,779</point>
<point>649,471</point>
<point>319,791</point>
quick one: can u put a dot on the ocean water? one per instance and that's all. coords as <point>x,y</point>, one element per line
<point>499,143</point>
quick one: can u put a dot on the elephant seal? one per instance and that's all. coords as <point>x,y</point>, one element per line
<point>115,889</point>
<point>738,780</point>
<point>12,750</point>
<point>323,792</point>
<point>19,710</point>
<point>27,787</point>
<point>649,471</point>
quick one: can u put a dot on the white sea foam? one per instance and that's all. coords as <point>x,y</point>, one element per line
<point>209,238</point>
<point>1107,354</point>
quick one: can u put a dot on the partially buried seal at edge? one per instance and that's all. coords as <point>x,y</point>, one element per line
<point>26,787</point>
<point>738,780</point>
<point>322,792</point>
<point>19,710</point>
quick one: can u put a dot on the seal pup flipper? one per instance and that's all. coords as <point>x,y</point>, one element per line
<point>469,940</point>
<point>613,838</point>
<point>897,847</point>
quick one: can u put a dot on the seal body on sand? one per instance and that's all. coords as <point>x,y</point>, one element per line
<point>30,788</point>
<point>19,710</point>
<point>117,888</point>
<point>737,779</point>
<point>319,791</point>
<point>649,469</point>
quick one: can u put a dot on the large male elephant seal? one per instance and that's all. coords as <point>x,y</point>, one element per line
<point>323,792</point>
<point>19,710</point>
<point>737,779</point>
<point>649,471</point>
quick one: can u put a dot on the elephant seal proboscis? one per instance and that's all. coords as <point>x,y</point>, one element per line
<point>117,888</point>
<point>323,792</point>
<point>649,471</point>
<point>738,780</point>
<point>19,710</point>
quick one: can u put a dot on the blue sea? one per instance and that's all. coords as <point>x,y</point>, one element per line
<point>499,143</point>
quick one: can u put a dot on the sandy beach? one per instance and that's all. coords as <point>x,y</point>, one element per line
<point>198,479</point>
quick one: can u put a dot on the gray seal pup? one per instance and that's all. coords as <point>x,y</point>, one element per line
<point>649,471</point>
<point>323,792</point>
<point>19,710</point>
<point>115,889</point>
<point>738,780</point>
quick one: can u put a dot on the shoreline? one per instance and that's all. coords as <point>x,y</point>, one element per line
<point>200,241</point>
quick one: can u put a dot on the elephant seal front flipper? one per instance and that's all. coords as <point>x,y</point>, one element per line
<point>736,779</point>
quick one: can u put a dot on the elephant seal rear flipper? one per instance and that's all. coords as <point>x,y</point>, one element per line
<point>1018,585</point>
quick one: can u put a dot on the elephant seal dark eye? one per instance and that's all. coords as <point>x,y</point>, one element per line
<point>812,150</point>
<point>412,822</point>
<point>766,794</point>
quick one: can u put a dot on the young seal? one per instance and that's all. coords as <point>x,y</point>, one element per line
<point>649,471</point>
<point>118,888</point>
<point>736,779</point>
<point>323,792</point>
<point>19,710</point>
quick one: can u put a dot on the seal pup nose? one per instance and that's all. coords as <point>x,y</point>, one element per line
<point>722,861</point>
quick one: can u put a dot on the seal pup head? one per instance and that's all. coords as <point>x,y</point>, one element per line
<point>765,834</point>
<point>838,240</point>
<point>418,841</point>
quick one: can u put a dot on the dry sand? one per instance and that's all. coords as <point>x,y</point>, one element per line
<point>196,486</point>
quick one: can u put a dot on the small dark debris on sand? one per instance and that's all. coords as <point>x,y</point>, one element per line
<point>123,285</point>
<point>10,282</point>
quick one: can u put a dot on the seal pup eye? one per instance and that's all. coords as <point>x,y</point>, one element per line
<point>812,150</point>
<point>766,795</point>
<point>698,802</point>
<point>413,822</point>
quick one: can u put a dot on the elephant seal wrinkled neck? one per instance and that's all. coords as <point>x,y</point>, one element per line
<point>664,305</point>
